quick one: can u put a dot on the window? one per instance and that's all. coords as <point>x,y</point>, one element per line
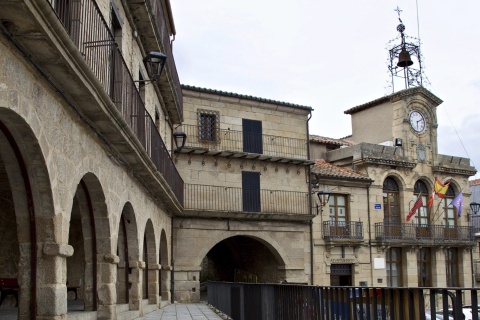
<point>450,212</point>
<point>208,125</point>
<point>252,136</point>
<point>394,267</point>
<point>424,267</point>
<point>338,209</point>
<point>451,262</point>
<point>420,190</point>
<point>116,26</point>
<point>251,191</point>
<point>391,203</point>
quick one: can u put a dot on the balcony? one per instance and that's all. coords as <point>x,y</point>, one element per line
<point>231,202</point>
<point>231,143</point>
<point>475,223</point>
<point>342,231</point>
<point>425,234</point>
<point>150,21</point>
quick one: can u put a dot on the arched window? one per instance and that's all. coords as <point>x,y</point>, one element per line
<point>391,201</point>
<point>450,212</point>
<point>420,190</point>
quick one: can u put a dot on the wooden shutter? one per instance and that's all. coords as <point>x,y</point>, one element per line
<point>252,136</point>
<point>251,191</point>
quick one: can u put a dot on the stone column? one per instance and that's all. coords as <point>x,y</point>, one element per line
<point>107,290</point>
<point>410,273</point>
<point>51,275</point>
<point>166,283</point>
<point>153,277</point>
<point>135,280</point>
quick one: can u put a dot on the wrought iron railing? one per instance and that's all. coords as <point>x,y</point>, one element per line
<point>342,230</point>
<point>231,140</point>
<point>89,31</point>
<point>423,232</point>
<point>231,199</point>
<point>245,301</point>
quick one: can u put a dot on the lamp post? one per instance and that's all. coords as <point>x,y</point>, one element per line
<point>154,62</point>
<point>475,206</point>
<point>323,197</point>
<point>180,138</point>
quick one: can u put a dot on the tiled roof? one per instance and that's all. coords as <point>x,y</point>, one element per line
<point>243,96</point>
<point>475,182</point>
<point>338,142</point>
<point>328,170</point>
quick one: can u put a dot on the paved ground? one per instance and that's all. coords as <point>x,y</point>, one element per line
<point>197,311</point>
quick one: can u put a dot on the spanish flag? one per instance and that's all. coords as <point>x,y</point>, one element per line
<point>430,200</point>
<point>440,188</point>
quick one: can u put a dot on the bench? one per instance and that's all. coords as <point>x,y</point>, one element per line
<point>9,286</point>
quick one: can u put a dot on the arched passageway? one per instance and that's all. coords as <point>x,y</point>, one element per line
<point>241,259</point>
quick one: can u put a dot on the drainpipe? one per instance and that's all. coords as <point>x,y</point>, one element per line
<point>172,274</point>
<point>310,201</point>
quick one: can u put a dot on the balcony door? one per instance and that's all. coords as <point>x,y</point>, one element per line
<point>423,227</point>
<point>251,191</point>
<point>450,215</point>
<point>337,205</point>
<point>252,136</point>
<point>391,208</point>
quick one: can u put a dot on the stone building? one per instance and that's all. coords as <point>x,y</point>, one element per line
<point>375,176</point>
<point>247,201</point>
<point>87,182</point>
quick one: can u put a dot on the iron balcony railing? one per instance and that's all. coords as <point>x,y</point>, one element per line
<point>89,31</point>
<point>231,199</point>
<point>231,140</point>
<point>408,232</point>
<point>342,230</point>
<point>246,301</point>
<point>476,269</point>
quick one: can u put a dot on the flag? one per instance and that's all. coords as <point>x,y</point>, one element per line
<point>457,202</point>
<point>430,200</point>
<point>416,206</point>
<point>440,188</point>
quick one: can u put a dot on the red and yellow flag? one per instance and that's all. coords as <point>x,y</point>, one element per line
<point>430,200</point>
<point>440,188</point>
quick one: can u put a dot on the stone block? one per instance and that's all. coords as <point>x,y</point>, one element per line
<point>52,301</point>
<point>57,249</point>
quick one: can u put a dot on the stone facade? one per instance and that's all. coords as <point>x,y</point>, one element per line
<point>381,170</point>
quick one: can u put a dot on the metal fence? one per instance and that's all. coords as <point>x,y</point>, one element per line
<point>423,232</point>
<point>232,140</point>
<point>242,301</point>
<point>230,199</point>
<point>89,31</point>
<point>342,230</point>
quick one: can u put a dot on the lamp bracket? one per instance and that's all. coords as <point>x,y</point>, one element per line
<point>241,164</point>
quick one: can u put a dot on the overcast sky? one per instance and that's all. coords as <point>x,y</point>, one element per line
<point>332,56</point>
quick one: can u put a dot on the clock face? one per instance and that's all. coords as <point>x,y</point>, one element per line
<point>417,121</point>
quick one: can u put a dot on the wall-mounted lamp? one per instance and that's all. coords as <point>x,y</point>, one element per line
<point>180,138</point>
<point>154,62</point>
<point>475,206</point>
<point>323,197</point>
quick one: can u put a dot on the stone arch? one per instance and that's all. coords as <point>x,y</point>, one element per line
<point>164,272</point>
<point>128,252</point>
<point>277,251</point>
<point>26,178</point>
<point>150,274</point>
<point>89,234</point>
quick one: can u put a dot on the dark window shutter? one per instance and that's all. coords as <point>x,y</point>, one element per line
<point>251,191</point>
<point>252,136</point>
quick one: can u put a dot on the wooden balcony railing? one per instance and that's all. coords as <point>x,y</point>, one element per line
<point>238,200</point>
<point>342,230</point>
<point>425,233</point>
<point>89,31</point>
<point>231,140</point>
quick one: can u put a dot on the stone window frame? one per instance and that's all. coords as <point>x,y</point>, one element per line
<point>208,131</point>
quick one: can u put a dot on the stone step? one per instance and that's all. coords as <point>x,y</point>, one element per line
<point>82,315</point>
<point>122,307</point>
<point>147,308</point>
<point>128,315</point>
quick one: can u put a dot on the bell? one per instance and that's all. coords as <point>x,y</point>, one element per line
<point>404,59</point>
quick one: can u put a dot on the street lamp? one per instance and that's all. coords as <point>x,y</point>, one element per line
<point>154,62</point>
<point>180,138</point>
<point>475,206</point>
<point>323,197</point>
